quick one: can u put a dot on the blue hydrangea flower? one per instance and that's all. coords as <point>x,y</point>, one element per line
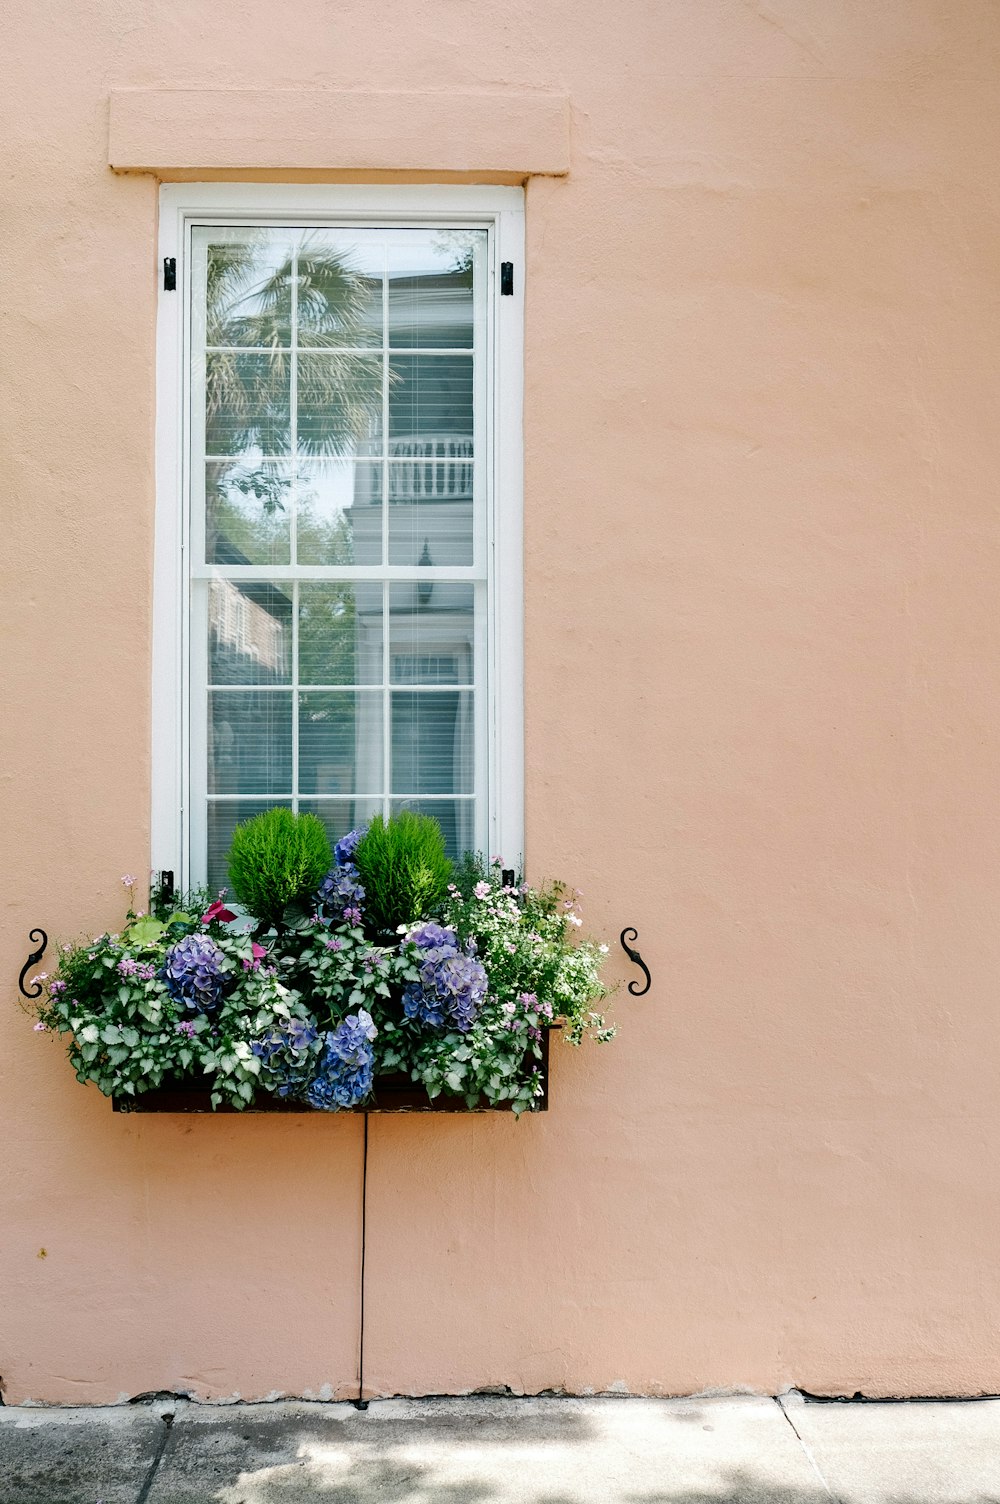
<point>452,984</point>
<point>287,1057</point>
<point>347,845</point>
<point>340,894</point>
<point>347,1067</point>
<point>193,973</point>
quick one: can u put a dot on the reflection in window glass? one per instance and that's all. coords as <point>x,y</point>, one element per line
<point>248,511</point>
<point>339,512</point>
<point>340,742</point>
<point>249,632</point>
<point>334,482</point>
<point>340,633</point>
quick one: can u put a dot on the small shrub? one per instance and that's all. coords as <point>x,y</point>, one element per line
<point>276,859</point>
<point>404,870</point>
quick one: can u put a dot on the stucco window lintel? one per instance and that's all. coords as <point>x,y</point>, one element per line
<point>176,130</point>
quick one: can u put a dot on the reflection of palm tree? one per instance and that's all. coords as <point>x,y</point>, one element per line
<point>249,302</point>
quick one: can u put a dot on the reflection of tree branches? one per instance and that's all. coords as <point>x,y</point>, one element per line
<point>248,379</point>
<point>268,488</point>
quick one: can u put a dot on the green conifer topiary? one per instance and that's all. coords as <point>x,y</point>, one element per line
<point>278,858</point>
<point>404,870</point>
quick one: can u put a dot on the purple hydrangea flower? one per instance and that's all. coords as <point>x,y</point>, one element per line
<point>452,984</point>
<point>429,936</point>
<point>287,1057</point>
<point>347,1068</point>
<point>347,845</point>
<point>193,973</point>
<point>340,894</point>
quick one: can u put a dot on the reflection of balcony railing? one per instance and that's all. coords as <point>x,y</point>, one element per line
<point>439,468</point>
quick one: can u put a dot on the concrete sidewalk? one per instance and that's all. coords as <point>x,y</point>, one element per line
<point>505,1451</point>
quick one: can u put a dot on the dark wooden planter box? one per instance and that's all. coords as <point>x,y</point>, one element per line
<point>393,1093</point>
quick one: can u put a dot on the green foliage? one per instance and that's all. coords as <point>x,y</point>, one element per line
<point>527,940</point>
<point>276,859</point>
<point>130,1025</point>
<point>404,869</point>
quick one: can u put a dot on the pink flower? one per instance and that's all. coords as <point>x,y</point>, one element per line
<point>258,952</point>
<point>128,881</point>
<point>40,1028</point>
<point>217,910</point>
<point>482,890</point>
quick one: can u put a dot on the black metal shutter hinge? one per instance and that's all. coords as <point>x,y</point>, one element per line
<point>506,279</point>
<point>170,274</point>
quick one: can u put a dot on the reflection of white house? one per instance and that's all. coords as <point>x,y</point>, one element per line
<point>246,632</point>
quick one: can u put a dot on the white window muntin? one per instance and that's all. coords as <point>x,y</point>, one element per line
<point>180,749</point>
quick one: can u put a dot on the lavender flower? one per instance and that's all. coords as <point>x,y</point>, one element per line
<point>287,1057</point>
<point>193,973</point>
<point>452,984</point>
<point>346,1071</point>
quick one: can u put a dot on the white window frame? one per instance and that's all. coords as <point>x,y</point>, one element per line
<point>501,212</point>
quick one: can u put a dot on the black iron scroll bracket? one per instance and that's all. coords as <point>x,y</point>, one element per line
<point>41,939</point>
<point>636,960</point>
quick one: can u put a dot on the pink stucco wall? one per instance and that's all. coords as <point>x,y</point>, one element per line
<point>762,553</point>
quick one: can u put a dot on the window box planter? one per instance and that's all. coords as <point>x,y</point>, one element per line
<point>394,1092</point>
<point>331,1000</point>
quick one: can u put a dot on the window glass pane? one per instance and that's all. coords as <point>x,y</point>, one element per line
<point>430,504</point>
<point>247,511</point>
<point>430,401</point>
<point>340,742</point>
<point>433,738</point>
<point>339,287</point>
<point>431,633</point>
<point>223,817</point>
<point>339,512</point>
<point>341,815</point>
<point>456,818</point>
<point>249,633</point>
<point>249,741</point>
<point>340,633</point>
<point>339,404</point>
<point>247,402</point>
<point>430,288</point>
<point>248,283</point>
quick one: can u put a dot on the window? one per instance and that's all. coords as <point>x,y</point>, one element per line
<point>338,581</point>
